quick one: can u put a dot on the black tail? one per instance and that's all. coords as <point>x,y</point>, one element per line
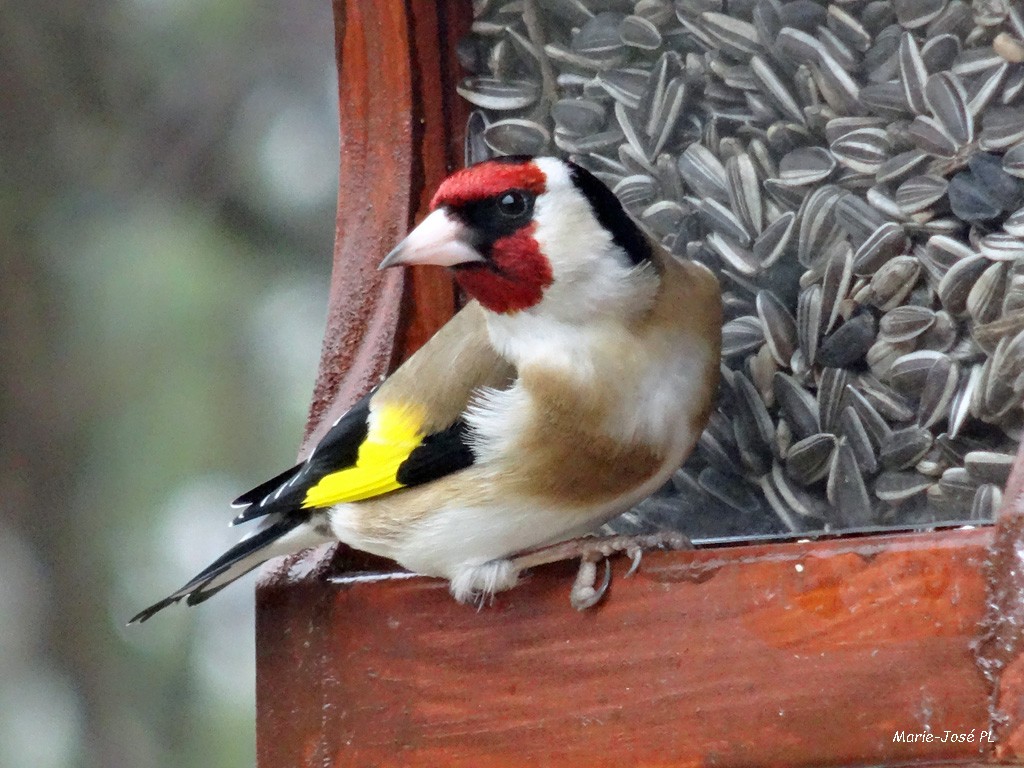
<point>236,562</point>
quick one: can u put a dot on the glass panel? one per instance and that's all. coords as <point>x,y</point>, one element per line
<point>853,173</point>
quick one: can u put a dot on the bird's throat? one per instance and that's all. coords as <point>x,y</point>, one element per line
<point>514,276</point>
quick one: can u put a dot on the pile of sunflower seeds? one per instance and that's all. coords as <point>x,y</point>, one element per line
<point>854,173</point>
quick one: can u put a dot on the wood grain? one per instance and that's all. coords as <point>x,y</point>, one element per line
<point>394,151</point>
<point>787,655</point>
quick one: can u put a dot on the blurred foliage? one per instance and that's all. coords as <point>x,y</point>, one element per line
<point>167,188</point>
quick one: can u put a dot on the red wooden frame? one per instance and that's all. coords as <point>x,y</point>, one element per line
<point>800,654</point>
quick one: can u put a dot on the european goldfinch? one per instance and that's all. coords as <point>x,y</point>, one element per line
<point>575,381</point>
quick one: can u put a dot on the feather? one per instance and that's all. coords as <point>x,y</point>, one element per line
<point>281,537</point>
<point>403,433</point>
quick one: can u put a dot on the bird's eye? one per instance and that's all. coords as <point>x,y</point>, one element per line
<point>513,204</point>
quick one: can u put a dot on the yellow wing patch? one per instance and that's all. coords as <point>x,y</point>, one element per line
<point>394,432</point>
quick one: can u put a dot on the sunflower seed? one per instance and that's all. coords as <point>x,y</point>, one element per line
<point>886,242</point>
<point>893,281</point>
<point>961,403</point>
<point>798,407</point>
<point>723,221</point>
<point>908,373</point>
<point>889,403</point>
<point>987,501</point>
<point>579,116</point>
<point>598,39</point>
<point>499,95</point>
<point>877,427</point>
<point>903,448</point>
<point>930,136</point>
<point>809,460</point>
<point>958,487</point>
<point>984,90</point>
<point>857,217</point>
<point>989,466</point>
<point>835,284</point>
<point>955,19</point>
<point>793,506</point>
<point>772,243</point>
<point>515,136</point>
<point>900,486</point>
<point>807,165</point>
<point>901,166</point>
<point>817,223</point>
<point>848,28</point>
<point>703,172</point>
<point>862,150</point>
<point>846,488</point>
<point>753,428</point>
<point>626,86</point>
<point>663,217</point>
<point>734,35</point>
<point>956,284</point>
<point>636,192</point>
<point>779,325</point>
<point>886,99</point>
<point>969,200</point>
<point>942,336</point>
<point>848,343</point>
<point>475,149</point>
<point>741,336</point>
<point>939,52</point>
<point>638,32</point>
<point>937,394</point>
<point>920,192</point>
<point>943,252</point>
<point>913,73</point>
<point>808,322</point>
<point>1013,161</point>
<point>774,88</point>
<point>917,13</point>
<point>985,300</point>
<point>852,428</point>
<point>947,100</point>
<point>883,354</point>
<point>1001,128</point>
<point>905,323</point>
<point>1004,190</point>
<point>831,390</point>
<point>745,192</point>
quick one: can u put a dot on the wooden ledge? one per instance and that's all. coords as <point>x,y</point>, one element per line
<point>782,654</point>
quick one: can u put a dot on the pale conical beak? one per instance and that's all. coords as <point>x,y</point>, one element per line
<point>439,239</point>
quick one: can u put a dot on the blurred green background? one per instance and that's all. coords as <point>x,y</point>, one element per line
<point>167,188</point>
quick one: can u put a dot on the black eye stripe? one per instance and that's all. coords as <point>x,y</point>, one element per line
<point>495,217</point>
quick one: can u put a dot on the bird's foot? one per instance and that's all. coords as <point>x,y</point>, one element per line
<point>478,583</point>
<point>592,550</point>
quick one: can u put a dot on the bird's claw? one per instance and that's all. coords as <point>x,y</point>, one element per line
<point>636,554</point>
<point>584,595</point>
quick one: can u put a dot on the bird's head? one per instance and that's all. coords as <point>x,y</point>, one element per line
<point>519,231</point>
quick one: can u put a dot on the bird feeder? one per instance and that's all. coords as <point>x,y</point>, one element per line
<point>888,649</point>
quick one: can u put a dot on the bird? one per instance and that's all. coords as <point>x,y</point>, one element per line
<point>576,379</point>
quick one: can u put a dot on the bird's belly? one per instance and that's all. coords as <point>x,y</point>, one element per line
<point>455,535</point>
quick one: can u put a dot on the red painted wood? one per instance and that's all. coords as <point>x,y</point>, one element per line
<point>781,655</point>
<point>999,649</point>
<point>394,151</point>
